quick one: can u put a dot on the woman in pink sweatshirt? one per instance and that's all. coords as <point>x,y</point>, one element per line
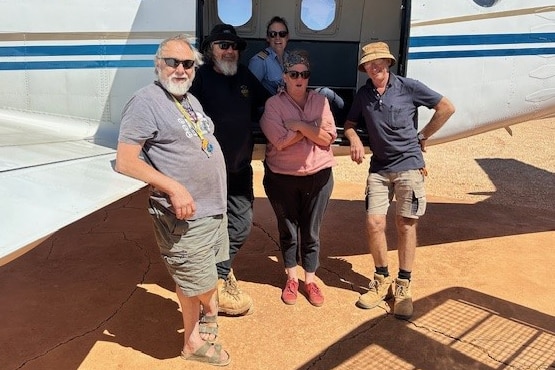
<point>298,179</point>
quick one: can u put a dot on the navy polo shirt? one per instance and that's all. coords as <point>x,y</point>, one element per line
<point>392,122</point>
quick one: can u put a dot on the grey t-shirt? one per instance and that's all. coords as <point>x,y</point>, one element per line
<point>152,119</point>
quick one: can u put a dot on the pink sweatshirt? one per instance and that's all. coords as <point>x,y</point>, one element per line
<point>304,157</point>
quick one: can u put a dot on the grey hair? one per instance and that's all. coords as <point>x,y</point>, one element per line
<point>182,38</point>
<point>208,53</point>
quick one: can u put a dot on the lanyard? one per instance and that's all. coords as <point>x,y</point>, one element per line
<point>204,144</point>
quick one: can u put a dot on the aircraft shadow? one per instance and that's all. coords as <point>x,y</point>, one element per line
<point>76,297</point>
<point>89,284</point>
<point>458,328</point>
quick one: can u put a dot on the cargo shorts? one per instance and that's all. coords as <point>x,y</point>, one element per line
<point>191,248</point>
<point>407,187</point>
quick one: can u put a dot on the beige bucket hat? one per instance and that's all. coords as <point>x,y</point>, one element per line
<point>373,51</point>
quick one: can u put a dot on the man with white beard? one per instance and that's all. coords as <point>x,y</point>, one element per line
<point>233,98</point>
<point>185,168</point>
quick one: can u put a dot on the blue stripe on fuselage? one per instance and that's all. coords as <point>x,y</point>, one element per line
<point>480,53</point>
<point>77,64</point>
<point>489,39</point>
<point>148,50</point>
<point>36,52</point>
<point>483,40</point>
<point>77,50</point>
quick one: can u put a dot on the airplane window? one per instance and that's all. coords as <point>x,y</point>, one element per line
<point>235,12</point>
<point>485,3</point>
<point>317,14</point>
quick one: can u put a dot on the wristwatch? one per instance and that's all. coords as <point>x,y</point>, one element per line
<point>421,136</point>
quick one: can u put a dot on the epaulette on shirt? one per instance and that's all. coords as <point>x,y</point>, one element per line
<point>263,54</point>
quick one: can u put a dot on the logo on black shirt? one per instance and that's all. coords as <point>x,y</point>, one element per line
<point>245,91</point>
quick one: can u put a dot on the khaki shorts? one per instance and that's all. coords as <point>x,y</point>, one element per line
<point>191,248</point>
<point>407,187</point>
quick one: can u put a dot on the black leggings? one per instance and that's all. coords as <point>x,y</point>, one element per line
<point>299,203</point>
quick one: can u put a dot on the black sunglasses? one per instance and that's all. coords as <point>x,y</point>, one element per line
<point>273,34</point>
<point>224,45</point>
<point>174,63</point>
<point>295,74</point>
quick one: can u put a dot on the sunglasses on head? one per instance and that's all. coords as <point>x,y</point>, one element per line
<point>224,45</point>
<point>295,74</point>
<point>274,34</point>
<point>174,63</point>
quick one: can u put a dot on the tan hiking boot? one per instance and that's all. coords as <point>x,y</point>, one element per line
<point>231,300</point>
<point>402,308</point>
<point>381,288</point>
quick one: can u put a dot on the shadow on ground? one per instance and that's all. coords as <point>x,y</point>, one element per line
<point>460,329</point>
<point>90,282</point>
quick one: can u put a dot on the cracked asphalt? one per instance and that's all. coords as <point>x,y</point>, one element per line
<point>95,295</point>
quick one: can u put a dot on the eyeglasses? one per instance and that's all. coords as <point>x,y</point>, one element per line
<point>274,34</point>
<point>295,74</point>
<point>174,63</point>
<point>224,45</point>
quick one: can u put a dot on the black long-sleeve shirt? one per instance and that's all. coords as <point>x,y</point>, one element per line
<point>234,103</point>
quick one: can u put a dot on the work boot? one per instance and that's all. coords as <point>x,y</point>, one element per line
<point>231,300</point>
<point>402,308</point>
<point>381,288</point>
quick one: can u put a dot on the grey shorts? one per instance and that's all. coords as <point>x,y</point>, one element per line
<point>407,187</point>
<point>191,248</point>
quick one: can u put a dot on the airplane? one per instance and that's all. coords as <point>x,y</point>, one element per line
<point>68,67</point>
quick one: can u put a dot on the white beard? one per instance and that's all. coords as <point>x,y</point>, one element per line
<point>177,89</point>
<point>227,67</point>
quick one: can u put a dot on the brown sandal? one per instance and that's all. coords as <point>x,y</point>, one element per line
<point>208,328</point>
<point>201,356</point>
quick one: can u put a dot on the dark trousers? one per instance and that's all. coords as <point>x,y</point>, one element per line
<point>240,198</point>
<point>299,203</point>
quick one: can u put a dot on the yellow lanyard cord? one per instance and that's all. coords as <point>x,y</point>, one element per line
<point>205,145</point>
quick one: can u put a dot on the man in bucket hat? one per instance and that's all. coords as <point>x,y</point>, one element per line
<point>232,97</point>
<point>388,104</point>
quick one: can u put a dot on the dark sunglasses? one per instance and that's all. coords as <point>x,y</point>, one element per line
<point>224,45</point>
<point>273,34</point>
<point>295,74</point>
<point>174,63</point>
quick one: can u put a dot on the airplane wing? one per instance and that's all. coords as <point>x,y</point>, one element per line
<point>53,171</point>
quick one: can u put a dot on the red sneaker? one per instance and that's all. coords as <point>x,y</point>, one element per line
<point>289,294</point>
<point>315,296</point>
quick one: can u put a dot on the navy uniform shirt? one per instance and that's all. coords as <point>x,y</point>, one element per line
<point>267,68</point>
